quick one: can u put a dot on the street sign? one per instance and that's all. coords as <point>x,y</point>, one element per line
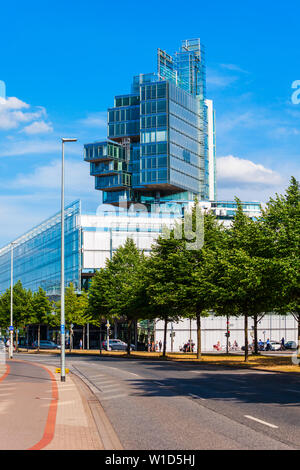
<point>62,329</point>
<point>11,328</point>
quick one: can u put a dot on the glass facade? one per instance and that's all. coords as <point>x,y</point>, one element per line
<point>159,135</point>
<point>37,255</point>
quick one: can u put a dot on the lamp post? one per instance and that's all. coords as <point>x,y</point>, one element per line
<point>62,287</point>
<point>11,330</point>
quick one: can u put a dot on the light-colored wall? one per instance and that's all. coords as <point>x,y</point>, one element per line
<point>99,244</point>
<point>214,329</point>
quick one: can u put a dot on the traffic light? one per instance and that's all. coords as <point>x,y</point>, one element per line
<point>227,334</point>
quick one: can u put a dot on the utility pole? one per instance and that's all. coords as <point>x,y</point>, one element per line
<point>62,283</point>
<point>11,328</point>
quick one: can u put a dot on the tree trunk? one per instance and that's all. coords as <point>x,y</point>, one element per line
<point>100,337</point>
<point>39,337</point>
<point>129,337</point>
<point>17,336</point>
<point>227,334</point>
<point>246,338</point>
<point>27,337</point>
<point>199,352</point>
<point>165,338</point>
<point>83,337</point>
<point>299,338</point>
<point>255,334</point>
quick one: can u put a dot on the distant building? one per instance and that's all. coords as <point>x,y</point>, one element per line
<point>89,240</point>
<point>214,328</point>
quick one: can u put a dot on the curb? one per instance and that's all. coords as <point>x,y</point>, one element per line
<point>105,429</point>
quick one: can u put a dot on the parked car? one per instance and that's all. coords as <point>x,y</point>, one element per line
<point>46,344</point>
<point>117,345</point>
<point>290,345</point>
<point>273,346</point>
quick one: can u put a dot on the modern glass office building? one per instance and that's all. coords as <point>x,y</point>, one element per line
<point>36,255</point>
<point>157,149</point>
<point>90,239</point>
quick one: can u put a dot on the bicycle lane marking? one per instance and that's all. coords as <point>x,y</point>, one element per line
<point>51,418</point>
<point>5,373</point>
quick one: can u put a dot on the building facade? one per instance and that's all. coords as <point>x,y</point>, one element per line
<point>161,140</point>
<point>89,241</point>
<point>274,327</point>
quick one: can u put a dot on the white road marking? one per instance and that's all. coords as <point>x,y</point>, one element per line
<point>158,383</point>
<point>261,422</point>
<point>234,380</point>
<point>108,386</point>
<point>291,390</point>
<point>113,397</point>
<point>196,396</point>
<point>111,390</point>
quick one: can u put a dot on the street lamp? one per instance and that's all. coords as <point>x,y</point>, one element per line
<point>11,328</point>
<point>62,287</point>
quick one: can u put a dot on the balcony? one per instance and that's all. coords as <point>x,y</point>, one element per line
<point>108,168</point>
<point>103,152</point>
<point>114,182</point>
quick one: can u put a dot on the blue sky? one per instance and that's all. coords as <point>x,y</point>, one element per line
<point>63,62</point>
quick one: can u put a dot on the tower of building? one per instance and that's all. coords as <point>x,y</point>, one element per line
<point>161,141</point>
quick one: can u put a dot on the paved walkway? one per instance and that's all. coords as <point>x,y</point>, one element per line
<point>40,412</point>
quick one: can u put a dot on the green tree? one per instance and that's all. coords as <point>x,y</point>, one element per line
<point>281,218</point>
<point>76,311</point>
<point>42,309</point>
<point>249,277</point>
<point>114,289</point>
<point>22,308</point>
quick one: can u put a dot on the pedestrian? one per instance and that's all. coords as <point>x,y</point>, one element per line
<point>153,346</point>
<point>7,343</point>
<point>156,346</point>
<point>160,345</point>
<point>268,346</point>
<point>80,344</point>
<point>149,345</point>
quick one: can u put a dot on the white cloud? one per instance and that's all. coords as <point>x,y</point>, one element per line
<point>215,79</point>
<point>28,147</point>
<point>14,113</point>
<point>48,177</point>
<point>241,173</point>
<point>38,127</point>
<point>95,120</point>
<point>234,68</point>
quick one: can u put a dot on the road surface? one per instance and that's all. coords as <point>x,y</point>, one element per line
<point>167,406</point>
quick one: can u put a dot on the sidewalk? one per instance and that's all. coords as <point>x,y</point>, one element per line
<point>81,423</point>
<point>38,411</point>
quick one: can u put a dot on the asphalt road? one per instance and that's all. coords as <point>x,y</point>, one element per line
<point>166,405</point>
